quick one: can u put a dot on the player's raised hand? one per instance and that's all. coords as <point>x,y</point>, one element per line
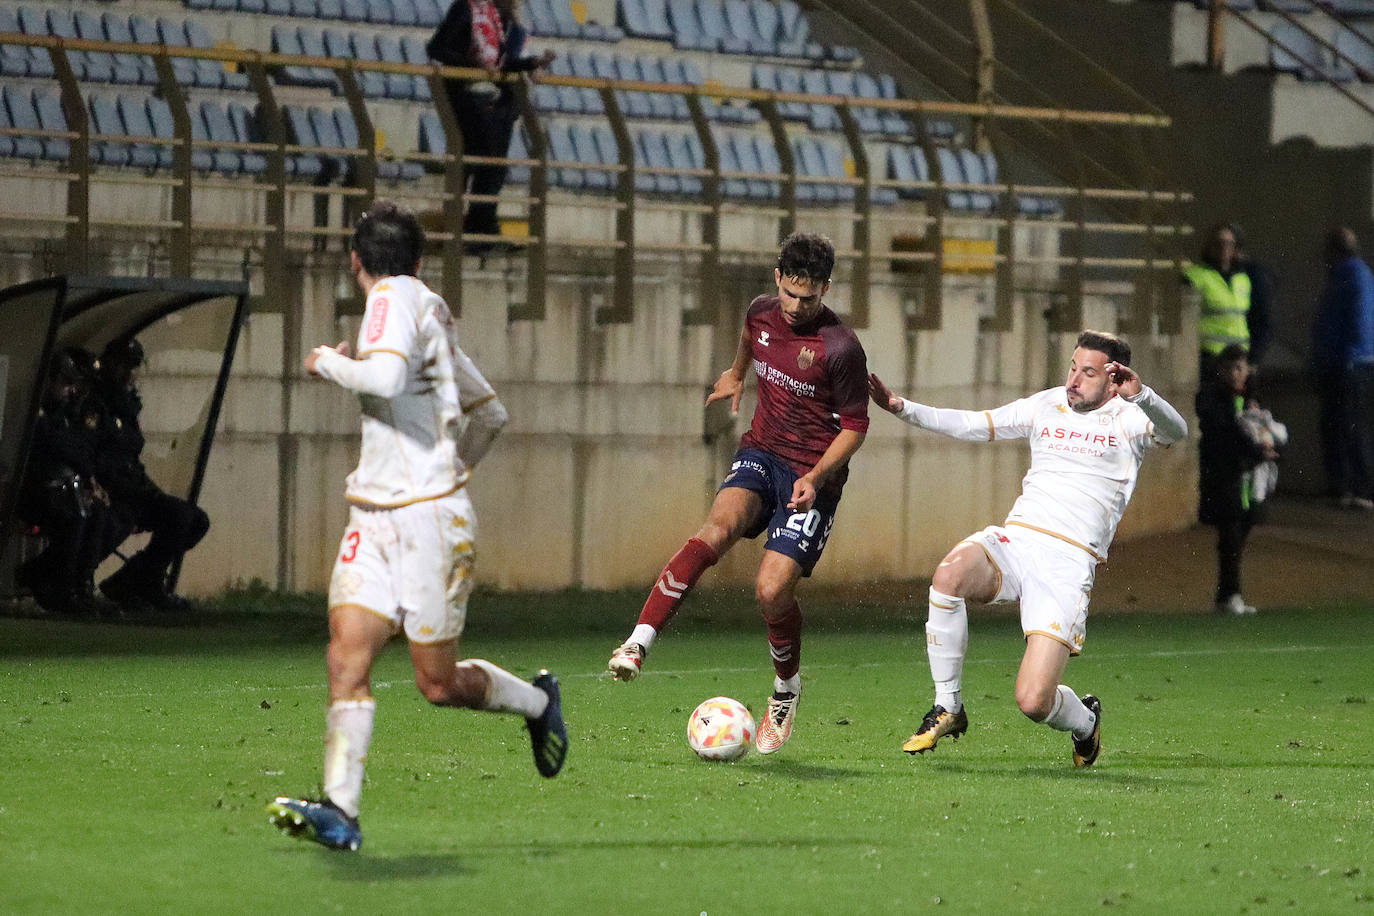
<point>803,494</point>
<point>882,395</point>
<point>729,386</point>
<point>1125,379</point>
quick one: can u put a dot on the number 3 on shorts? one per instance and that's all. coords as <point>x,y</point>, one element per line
<point>350,552</point>
<point>805,522</point>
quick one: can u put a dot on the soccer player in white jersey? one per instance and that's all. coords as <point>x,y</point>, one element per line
<point>1087,440</point>
<point>405,562</point>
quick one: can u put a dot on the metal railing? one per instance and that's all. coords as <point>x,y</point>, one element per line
<point>188,226</point>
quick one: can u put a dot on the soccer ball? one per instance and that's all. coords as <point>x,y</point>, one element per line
<point>720,729</point>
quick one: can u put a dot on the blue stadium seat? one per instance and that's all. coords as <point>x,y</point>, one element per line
<point>567,99</point>
<point>286,39</point>
<point>252,6</point>
<point>385,46</point>
<point>1301,54</point>
<point>644,18</point>
<point>14,59</point>
<point>312,44</point>
<point>561,149</point>
<point>329,10</point>
<point>659,154</point>
<point>189,72</point>
<point>122,67</point>
<point>300,131</point>
<point>952,171</point>
<point>789,79</point>
<point>95,66</point>
<point>1355,45</point>
<point>209,124</point>
<point>685,152</point>
<point>767,22</point>
<point>665,106</point>
<point>211,74</point>
<point>380,12</point>
<point>429,13</point>
<point>160,117</point>
<point>585,150</point>
<point>712,17</point>
<point>244,128</point>
<point>794,32</point>
<point>277,8</point>
<point>688,34</point>
<point>810,163</point>
<point>581,62</point>
<point>908,163</point>
<point>355,10</point>
<point>405,13</point>
<point>644,182</point>
<point>432,139</point>
<point>336,165</point>
<point>980,169</point>
<point>749,161</point>
<point>105,122</point>
<point>48,105</point>
<point>843,82</point>
<point>7,149</point>
<point>637,104</point>
<point>117,29</point>
<point>134,114</point>
<point>729,162</point>
<point>609,152</point>
<point>21,114</point>
<point>413,52</point>
<point>740,21</point>
<point>823,117</point>
<point>833,159</point>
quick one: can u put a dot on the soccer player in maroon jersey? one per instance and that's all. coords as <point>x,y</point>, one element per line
<point>786,478</point>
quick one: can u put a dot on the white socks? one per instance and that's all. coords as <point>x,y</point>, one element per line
<point>946,644</point>
<point>644,635</point>
<point>790,685</point>
<point>348,732</point>
<point>509,693</point>
<point>1070,715</point>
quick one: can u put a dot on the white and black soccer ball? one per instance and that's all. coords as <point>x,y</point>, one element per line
<point>720,729</point>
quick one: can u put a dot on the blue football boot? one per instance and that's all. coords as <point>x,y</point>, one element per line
<point>321,821</point>
<point>548,734</point>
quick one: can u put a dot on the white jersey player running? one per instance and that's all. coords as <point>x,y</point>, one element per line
<point>1087,441</point>
<point>405,561</point>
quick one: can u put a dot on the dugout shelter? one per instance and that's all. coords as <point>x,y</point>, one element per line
<point>192,325</point>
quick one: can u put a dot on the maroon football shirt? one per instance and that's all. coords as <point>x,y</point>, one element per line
<point>813,382</point>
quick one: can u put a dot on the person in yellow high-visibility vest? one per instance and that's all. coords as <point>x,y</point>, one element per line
<point>1234,298</point>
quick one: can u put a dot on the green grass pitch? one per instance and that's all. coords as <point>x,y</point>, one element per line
<point>135,763</point>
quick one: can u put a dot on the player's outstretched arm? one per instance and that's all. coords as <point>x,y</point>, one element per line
<point>1170,427</point>
<point>382,373</point>
<point>882,395</point>
<point>969,425</point>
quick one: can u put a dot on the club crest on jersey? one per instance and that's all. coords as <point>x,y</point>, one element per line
<point>377,322</point>
<point>763,338</point>
<point>806,358</point>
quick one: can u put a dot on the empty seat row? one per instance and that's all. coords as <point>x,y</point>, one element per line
<point>756,27</point>
<point>907,163</point>
<point>359,45</point>
<point>635,104</point>
<point>103,66</point>
<point>1292,50</point>
<point>555,19</point>
<point>317,127</point>
<point>421,13</point>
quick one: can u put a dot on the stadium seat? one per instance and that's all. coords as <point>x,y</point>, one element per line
<point>105,122</point>
<point>211,74</point>
<point>1292,50</point>
<point>739,20</point>
<point>729,162</point>
<point>908,163</point>
<point>405,13</point>
<point>328,135</point>
<point>586,150</point>
<point>567,99</point>
<point>117,29</point>
<point>635,104</point>
<point>952,171</point>
<point>160,117</point>
<point>789,79</point>
<point>685,152</point>
<point>122,68</point>
<point>1356,47</point>
<point>561,149</point>
<point>519,149</point>
<point>38,59</point>
<point>387,169</point>
<point>658,155</point>
<point>380,12</point>
<point>749,161</point>
<point>305,9</point>
<point>385,46</point>
<point>675,105</point>
<point>711,14</point>
<point>14,59</point>
<point>301,132</point>
<point>277,8</point>
<point>980,168</point>
<point>687,31</point>
<point>93,66</point>
<point>823,117</point>
<point>22,114</point>
<point>429,13</point>
<point>246,130</point>
<point>845,82</point>
<point>354,11</point>
<point>432,139</point>
<point>134,116</point>
<point>312,44</point>
<point>210,124</point>
<point>794,33</point>
<point>7,149</point>
<point>644,18</point>
<point>413,52</point>
<point>581,62</point>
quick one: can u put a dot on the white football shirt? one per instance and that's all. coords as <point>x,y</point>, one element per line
<point>412,410</point>
<point>1083,465</point>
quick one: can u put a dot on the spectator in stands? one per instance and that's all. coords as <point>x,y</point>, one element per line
<point>484,34</point>
<point>176,524</point>
<point>1236,454</point>
<point>1343,362</point>
<point>60,495</point>
<point>1235,309</point>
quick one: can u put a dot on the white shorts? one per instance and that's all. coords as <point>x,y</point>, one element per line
<point>411,565</point>
<point>1052,579</point>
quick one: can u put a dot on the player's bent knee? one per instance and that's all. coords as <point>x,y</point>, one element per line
<point>1035,701</point>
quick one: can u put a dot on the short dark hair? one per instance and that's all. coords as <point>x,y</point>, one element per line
<point>1232,353</point>
<point>1117,350</point>
<point>1341,243</point>
<point>807,256</point>
<point>388,240</point>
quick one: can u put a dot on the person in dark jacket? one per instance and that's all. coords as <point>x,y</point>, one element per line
<point>61,497</point>
<point>1343,363</point>
<point>176,524</point>
<point>484,34</point>
<point>1228,454</point>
